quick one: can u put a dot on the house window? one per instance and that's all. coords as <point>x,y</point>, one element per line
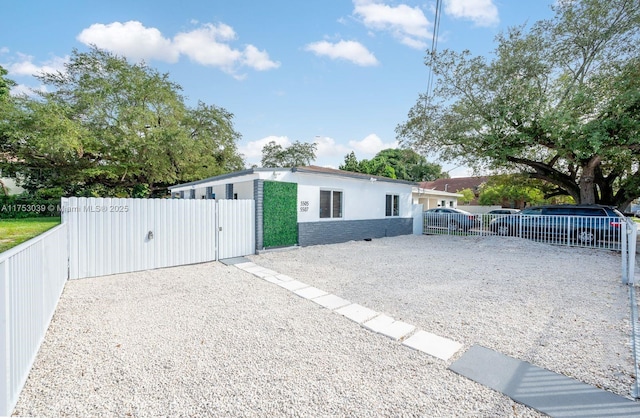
<point>330,204</point>
<point>392,205</point>
<point>210,194</point>
<point>192,194</point>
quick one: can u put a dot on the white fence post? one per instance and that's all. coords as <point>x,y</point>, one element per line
<point>624,252</point>
<point>418,219</point>
<point>632,237</point>
<point>4,339</point>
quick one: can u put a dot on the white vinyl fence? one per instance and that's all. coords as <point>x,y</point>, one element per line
<point>110,236</point>
<point>100,237</point>
<point>236,228</point>
<point>32,277</point>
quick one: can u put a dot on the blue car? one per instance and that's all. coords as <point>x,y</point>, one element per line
<point>581,224</point>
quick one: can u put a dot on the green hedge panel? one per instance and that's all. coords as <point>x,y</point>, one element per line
<point>280,214</point>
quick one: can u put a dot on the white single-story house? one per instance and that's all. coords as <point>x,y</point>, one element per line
<point>430,198</point>
<point>324,205</point>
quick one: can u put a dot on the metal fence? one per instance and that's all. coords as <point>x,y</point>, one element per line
<point>580,231</point>
<point>111,236</point>
<point>99,237</point>
<point>32,277</point>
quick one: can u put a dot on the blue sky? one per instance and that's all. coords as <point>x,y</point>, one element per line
<point>341,73</point>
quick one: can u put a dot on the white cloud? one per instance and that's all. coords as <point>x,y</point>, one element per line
<point>480,12</point>
<point>329,153</point>
<point>209,45</point>
<point>370,146</point>
<point>24,66</point>
<point>24,90</point>
<point>407,24</point>
<point>258,60</point>
<point>346,50</point>
<point>252,151</point>
<point>131,39</point>
<point>328,149</point>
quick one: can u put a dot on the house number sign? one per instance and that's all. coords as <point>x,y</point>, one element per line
<point>304,206</point>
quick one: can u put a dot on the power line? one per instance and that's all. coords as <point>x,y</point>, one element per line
<point>434,49</point>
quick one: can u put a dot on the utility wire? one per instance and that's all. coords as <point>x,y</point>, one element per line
<point>434,49</point>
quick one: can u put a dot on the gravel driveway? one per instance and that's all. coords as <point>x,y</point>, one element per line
<point>210,339</point>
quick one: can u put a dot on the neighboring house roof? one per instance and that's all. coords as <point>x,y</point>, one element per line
<point>312,169</point>
<point>456,184</point>
<point>432,192</point>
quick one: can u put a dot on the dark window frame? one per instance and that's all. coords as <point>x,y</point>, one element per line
<point>392,205</point>
<point>331,201</point>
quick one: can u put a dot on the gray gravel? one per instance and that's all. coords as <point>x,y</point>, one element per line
<point>560,308</point>
<point>213,340</point>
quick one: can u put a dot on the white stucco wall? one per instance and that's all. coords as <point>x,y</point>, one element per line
<point>361,199</point>
<point>244,190</point>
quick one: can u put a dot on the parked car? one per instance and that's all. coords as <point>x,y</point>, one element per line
<point>582,224</point>
<point>503,211</point>
<point>451,219</point>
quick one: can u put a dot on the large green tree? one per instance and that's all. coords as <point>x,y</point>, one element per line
<point>5,85</point>
<point>295,155</point>
<point>6,104</point>
<point>108,127</point>
<point>402,164</point>
<point>513,188</point>
<point>559,102</point>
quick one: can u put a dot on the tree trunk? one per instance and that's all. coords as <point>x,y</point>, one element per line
<point>586,183</point>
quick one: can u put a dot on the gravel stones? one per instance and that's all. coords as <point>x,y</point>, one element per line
<point>560,308</point>
<point>210,339</point>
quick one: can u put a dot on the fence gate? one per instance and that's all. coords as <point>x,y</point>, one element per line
<point>110,236</point>
<point>236,228</point>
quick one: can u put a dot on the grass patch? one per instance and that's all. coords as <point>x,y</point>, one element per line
<point>16,231</point>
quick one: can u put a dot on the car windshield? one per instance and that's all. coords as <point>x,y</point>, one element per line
<point>618,213</point>
<point>532,211</point>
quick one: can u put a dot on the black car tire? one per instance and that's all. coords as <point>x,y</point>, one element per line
<point>503,229</point>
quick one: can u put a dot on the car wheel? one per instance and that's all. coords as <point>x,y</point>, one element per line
<point>585,236</point>
<point>503,230</point>
<point>453,226</point>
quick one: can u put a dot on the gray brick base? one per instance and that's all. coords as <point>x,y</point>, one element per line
<point>331,232</point>
<point>258,196</point>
